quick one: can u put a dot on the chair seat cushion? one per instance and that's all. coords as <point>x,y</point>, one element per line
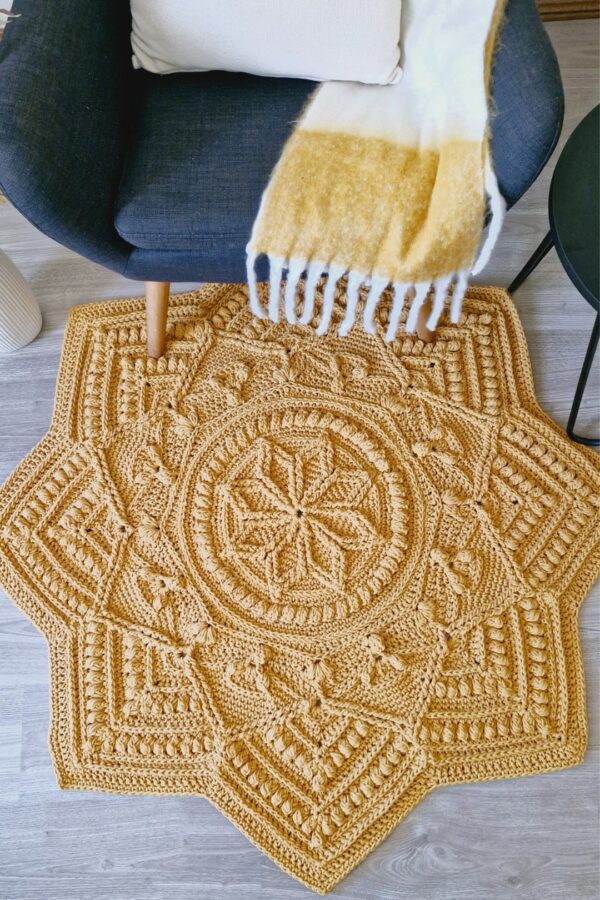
<point>203,148</point>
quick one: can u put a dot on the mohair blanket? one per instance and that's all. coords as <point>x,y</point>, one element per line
<point>389,185</point>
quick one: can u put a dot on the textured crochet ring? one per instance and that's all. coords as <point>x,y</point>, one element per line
<point>307,578</point>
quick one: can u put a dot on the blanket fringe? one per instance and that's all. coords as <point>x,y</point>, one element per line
<point>285,297</point>
<point>447,289</point>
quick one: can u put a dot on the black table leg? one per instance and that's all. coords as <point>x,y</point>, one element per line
<point>587,365</point>
<point>533,263</point>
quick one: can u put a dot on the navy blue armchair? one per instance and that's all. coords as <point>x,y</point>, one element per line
<point>159,177</point>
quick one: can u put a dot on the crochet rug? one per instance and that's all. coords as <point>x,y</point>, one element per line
<point>307,578</point>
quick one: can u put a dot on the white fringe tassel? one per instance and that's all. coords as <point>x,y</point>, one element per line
<point>276,274</point>
<point>335,273</point>
<point>439,302</point>
<point>294,272</point>
<point>497,215</point>
<point>255,306</point>
<point>378,286</point>
<point>458,295</point>
<point>421,291</point>
<point>313,276</point>
<point>355,279</point>
<point>400,292</point>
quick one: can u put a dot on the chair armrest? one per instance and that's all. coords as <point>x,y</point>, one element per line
<point>65,72</point>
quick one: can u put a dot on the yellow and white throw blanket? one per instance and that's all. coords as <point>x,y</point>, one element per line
<point>388,185</point>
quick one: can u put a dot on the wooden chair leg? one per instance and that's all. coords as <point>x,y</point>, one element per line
<point>157,303</point>
<point>423,331</point>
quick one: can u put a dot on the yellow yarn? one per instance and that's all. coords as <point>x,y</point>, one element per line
<point>307,578</point>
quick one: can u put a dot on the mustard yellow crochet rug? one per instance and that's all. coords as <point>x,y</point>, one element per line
<point>307,578</point>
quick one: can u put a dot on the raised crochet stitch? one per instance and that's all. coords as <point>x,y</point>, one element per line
<point>308,578</point>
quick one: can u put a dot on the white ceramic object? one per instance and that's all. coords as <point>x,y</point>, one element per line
<point>20,316</point>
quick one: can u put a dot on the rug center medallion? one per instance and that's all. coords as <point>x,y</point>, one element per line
<point>298,518</point>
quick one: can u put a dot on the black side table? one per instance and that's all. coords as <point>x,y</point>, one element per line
<point>575,232</point>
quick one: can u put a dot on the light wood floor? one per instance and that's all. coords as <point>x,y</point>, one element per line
<point>532,838</point>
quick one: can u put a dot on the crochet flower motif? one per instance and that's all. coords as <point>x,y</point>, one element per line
<point>299,514</point>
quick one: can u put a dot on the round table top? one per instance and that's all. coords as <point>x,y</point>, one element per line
<point>574,201</point>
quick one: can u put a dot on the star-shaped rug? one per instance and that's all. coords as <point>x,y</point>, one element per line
<point>307,578</point>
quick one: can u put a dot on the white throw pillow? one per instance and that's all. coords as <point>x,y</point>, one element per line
<point>322,40</point>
